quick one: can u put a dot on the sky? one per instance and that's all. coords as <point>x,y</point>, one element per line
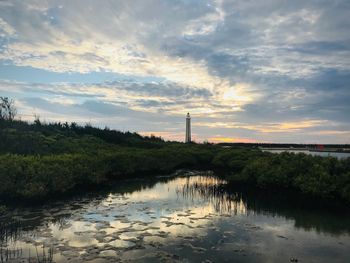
<point>246,70</point>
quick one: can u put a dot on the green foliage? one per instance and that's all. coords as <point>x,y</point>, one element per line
<point>35,176</point>
<point>234,159</point>
<point>7,109</point>
<point>39,160</point>
<point>325,177</point>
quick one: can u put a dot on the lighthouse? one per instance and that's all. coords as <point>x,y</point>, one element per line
<point>188,128</point>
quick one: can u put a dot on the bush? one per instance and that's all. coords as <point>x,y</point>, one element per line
<point>41,159</point>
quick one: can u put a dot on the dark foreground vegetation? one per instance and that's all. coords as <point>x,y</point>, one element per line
<point>44,160</point>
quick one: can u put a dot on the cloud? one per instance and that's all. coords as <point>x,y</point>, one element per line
<point>160,89</point>
<point>6,29</point>
<point>242,68</point>
<point>76,44</point>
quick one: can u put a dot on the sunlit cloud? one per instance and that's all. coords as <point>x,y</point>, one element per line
<point>267,127</point>
<point>6,29</point>
<point>332,132</point>
<point>206,24</point>
<point>243,69</point>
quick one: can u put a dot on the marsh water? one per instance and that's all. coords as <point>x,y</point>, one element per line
<point>191,217</point>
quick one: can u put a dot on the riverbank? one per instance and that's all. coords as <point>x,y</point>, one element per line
<point>41,161</point>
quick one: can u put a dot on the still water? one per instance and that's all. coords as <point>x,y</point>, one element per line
<point>190,218</point>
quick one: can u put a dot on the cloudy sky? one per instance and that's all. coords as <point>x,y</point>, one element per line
<point>246,70</point>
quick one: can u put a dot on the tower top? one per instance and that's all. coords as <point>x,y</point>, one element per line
<point>188,115</point>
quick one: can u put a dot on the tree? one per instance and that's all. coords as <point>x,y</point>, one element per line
<point>8,110</point>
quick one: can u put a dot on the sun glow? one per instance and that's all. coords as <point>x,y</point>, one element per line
<point>231,140</point>
<point>240,94</point>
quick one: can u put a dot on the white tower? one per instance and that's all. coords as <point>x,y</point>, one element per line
<point>188,128</point>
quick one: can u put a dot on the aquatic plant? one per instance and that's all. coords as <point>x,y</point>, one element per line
<point>44,257</point>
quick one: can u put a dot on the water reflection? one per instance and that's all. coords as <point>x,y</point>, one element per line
<point>210,190</point>
<point>240,200</point>
<point>193,218</point>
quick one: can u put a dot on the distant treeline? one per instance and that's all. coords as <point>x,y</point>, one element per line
<point>287,145</point>
<point>47,138</point>
<point>50,159</point>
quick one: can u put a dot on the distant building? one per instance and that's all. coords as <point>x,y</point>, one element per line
<point>188,128</point>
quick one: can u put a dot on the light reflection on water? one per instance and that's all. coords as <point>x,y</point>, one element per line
<point>183,219</point>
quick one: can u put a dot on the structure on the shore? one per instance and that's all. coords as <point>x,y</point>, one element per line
<point>188,128</point>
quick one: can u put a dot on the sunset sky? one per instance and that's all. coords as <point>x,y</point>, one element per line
<point>246,70</point>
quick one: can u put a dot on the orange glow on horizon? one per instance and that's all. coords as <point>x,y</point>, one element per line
<point>172,136</point>
<point>231,140</point>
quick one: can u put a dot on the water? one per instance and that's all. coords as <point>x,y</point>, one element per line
<point>182,219</point>
<point>339,155</point>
